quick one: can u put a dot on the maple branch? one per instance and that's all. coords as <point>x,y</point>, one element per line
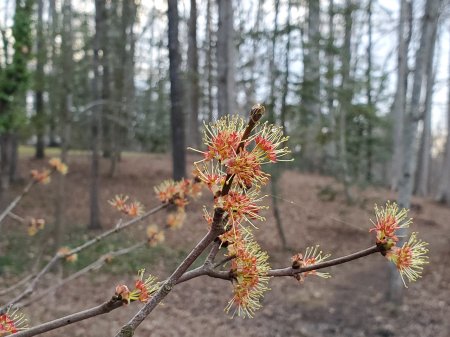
<point>101,309</point>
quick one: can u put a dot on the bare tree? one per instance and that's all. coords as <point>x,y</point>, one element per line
<point>176,95</point>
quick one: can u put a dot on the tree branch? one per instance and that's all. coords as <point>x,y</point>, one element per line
<point>128,329</point>
<point>291,271</point>
<point>119,227</point>
<point>104,308</point>
<point>100,262</point>
<point>205,270</point>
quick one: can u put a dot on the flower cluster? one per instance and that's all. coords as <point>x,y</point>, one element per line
<point>232,169</point>
<point>65,252</point>
<point>143,289</point>
<point>177,193</point>
<point>411,256</point>
<point>58,165</point>
<point>312,256</point>
<point>43,176</point>
<point>154,235</point>
<point>389,220</point>
<point>35,225</point>
<point>132,209</point>
<point>233,160</point>
<point>249,271</point>
<point>11,322</point>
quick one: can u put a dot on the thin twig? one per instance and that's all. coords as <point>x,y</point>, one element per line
<point>100,262</point>
<point>16,217</point>
<point>16,200</point>
<point>27,292</point>
<point>291,271</point>
<point>225,260</point>
<point>170,282</point>
<point>16,285</point>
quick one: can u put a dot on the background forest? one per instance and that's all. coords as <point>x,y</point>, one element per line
<point>120,89</point>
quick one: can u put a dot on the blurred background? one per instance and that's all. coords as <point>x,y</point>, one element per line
<point>120,89</point>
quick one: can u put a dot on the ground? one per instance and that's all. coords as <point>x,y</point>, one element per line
<point>351,303</point>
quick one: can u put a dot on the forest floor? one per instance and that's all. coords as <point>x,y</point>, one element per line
<point>351,303</point>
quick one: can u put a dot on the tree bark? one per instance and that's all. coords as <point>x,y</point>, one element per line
<point>176,95</point>
<point>94,218</point>
<point>209,60</point>
<point>443,194</point>
<point>429,21</point>
<point>272,67</point>
<point>424,158</point>
<point>345,98</point>
<point>193,93</point>
<point>310,90</point>
<point>370,105</point>
<point>225,59</point>
<point>285,91</point>
<point>399,105</point>
<point>64,116</point>
<point>39,83</point>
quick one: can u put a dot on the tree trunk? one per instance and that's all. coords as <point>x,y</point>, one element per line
<point>345,99</point>
<point>399,105</point>
<point>286,70</point>
<point>53,79</point>
<point>272,67</point>
<point>39,83</point>
<point>225,59</point>
<point>443,194</point>
<point>310,90</point>
<point>209,60</point>
<point>424,158</point>
<point>370,104</point>
<point>94,219</point>
<point>332,152</point>
<point>176,95</point>
<point>429,21</point>
<point>193,93</point>
<point>64,116</point>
